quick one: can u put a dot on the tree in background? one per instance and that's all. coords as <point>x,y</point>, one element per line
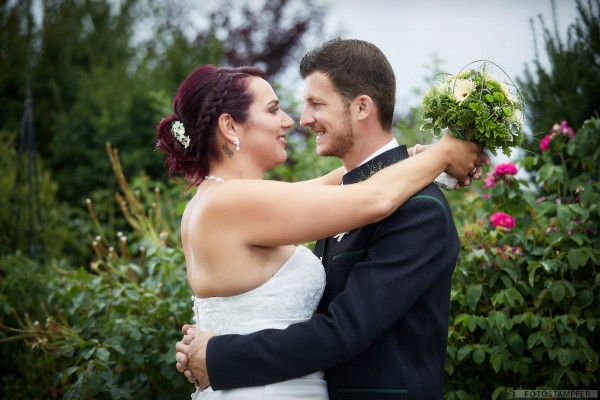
<point>270,37</point>
<point>17,29</point>
<point>568,89</point>
<point>99,71</point>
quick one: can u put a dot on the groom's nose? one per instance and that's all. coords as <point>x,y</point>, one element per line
<point>307,118</point>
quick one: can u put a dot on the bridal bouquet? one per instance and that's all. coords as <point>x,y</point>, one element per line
<point>475,105</point>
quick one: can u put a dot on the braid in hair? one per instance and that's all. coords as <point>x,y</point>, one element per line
<point>205,94</point>
<point>205,146</point>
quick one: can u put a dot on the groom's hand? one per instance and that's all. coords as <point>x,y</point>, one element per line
<point>192,354</point>
<point>180,358</point>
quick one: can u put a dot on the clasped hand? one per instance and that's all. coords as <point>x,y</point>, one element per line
<point>191,356</point>
<point>475,173</point>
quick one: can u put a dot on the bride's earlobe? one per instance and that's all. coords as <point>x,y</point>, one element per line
<point>227,129</point>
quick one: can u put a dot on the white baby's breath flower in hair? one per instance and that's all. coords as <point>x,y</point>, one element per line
<point>178,131</point>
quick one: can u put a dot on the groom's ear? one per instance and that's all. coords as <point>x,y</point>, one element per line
<point>363,106</point>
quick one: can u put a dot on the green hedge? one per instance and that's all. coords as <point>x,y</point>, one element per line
<point>525,303</point>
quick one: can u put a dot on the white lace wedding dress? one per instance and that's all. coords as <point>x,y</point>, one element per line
<point>290,296</point>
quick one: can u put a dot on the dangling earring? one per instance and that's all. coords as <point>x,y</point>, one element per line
<point>236,141</point>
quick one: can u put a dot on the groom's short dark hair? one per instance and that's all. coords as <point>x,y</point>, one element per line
<point>356,67</point>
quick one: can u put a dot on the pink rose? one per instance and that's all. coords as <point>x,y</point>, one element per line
<point>567,130</point>
<point>489,180</point>
<point>562,129</point>
<point>505,169</point>
<point>545,143</point>
<point>503,220</point>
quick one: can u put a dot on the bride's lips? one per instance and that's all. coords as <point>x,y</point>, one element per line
<point>281,139</point>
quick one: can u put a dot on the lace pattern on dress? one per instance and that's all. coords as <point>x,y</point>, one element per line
<point>290,296</point>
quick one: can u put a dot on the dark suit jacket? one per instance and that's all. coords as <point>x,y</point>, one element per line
<point>382,326</point>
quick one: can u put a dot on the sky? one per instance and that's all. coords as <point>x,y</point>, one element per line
<point>412,32</point>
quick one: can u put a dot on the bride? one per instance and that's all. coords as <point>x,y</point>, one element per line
<point>238,231</point>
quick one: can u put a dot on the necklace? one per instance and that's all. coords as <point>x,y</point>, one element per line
<point>213,178</point>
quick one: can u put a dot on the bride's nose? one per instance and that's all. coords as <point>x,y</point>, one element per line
<point>287,122</point>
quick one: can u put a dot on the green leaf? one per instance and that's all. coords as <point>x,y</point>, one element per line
<point>532,268</point>
<point>564,215</point>
<point>478,356</point>
<point>498,298</point>
<point>103,354</point>
<point>564,357</point>
<point>499,390</point>
<point>547,340</point>
<point>558,291</point>
<point>472,324</point>
<point>463,395</point>
<point>591,324</point>
<point>510,298</point>
<point>570,339</point>
<point>516,343</point>
<point>543,208</point>
<point>482,322</point>
<point>463,352</point>
<point>474,294</point>
<point>550,265</point>
<point>574,256</point>
<point>66,373</point>
<point>500,320</point>
<point>460,318</point>
<point>88,353</point>
<point>577,239</point>
<point>557,375</point>
<point>586,379</point>
<point>496,361</point>
<point>507,281</point>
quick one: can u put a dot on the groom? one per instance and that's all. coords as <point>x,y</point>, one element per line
<point>381,328</point>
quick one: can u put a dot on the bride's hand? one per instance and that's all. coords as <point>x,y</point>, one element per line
<point>465,159</point>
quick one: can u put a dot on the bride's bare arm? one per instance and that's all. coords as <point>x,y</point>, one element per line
<point>332,178</point>
<point>269,213</point>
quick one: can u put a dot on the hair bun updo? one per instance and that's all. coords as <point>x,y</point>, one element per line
<point>206,93</point>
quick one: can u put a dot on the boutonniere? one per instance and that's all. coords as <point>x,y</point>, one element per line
<point>371,169</point>
<point>340,236</point>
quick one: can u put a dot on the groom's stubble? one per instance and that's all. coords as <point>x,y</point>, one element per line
<point>342,141</point>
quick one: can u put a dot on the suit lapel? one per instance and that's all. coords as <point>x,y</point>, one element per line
<point>359,174</point>
<point>374,165</point>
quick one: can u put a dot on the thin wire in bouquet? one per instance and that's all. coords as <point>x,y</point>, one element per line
<point>476,105</point>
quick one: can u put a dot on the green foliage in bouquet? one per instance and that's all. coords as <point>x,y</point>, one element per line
<point>476,106</point>
<point>525,300</point>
